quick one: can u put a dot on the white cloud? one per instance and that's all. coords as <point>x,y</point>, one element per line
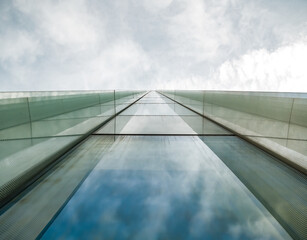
<point>122,62</point>
<point>17,45</point>
<point>157,5</point>
<point>79,44</point>
<point>63,22</point>
<point>283,69</point>
<point>200,29</point>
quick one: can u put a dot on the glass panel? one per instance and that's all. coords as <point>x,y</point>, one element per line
<point>106,109</point>
<point>161,125</point>
<point>248,124</point>
<point>158,187</point>
<point>71,109</point>
<point>157,109</point>
<point>250,113</point>
<point>202,125</point>
<point>298,127</point>
<point>279,187</point>
<point>12,146</point>
<point>299,146</point>
<point>14,118</point>
<point>110,127</point>
<point>26,218</point>
<point>39,120</point>
<point>191,99</point>
<point>276,121</point>
<point>299,112</point>
<point>154,100</point>
<point>57,113</point>
<point>62,127</point>
<point>163,187</point>
<point>13,112</point>
<point>124,98</point>
<point>21,166</point>
<point>152,118</point>
<point>18,131</point>
<point>43,107</point>
<point>154,97</point>
<point>148,125</point>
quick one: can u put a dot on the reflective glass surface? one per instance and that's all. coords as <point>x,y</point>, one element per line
<point>46,114</point>
<point>154,170</point>
<point>275,121</point>
<point>165,109</point>
<point>28,216</point>
<point>279,187</point>
<point>161,125</point>
<point>158,117</point>
<point>154,97</point>
<point>163,187</point>
<point>38,127</point>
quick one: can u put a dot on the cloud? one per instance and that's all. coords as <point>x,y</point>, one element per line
<point>123,61</point>
<point>50,45</point>
<point>199,30</point>
<point>158,5</point>
<point>283,69</point>
<point>18,45</point>
<point>62,22</point>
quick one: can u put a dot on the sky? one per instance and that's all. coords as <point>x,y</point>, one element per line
<point>255,45</point>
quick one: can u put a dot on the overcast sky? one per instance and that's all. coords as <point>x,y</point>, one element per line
<point>153,44</point>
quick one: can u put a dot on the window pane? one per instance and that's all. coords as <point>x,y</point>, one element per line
<point>281,189</point>
<point>163,187</point>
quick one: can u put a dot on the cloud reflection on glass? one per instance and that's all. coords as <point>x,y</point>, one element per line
<point>163,188</point>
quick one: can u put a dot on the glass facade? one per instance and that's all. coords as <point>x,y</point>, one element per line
<point>274,121</point>
<point>136,165</point>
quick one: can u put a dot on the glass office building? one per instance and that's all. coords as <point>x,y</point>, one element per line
<point>153,165</point>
